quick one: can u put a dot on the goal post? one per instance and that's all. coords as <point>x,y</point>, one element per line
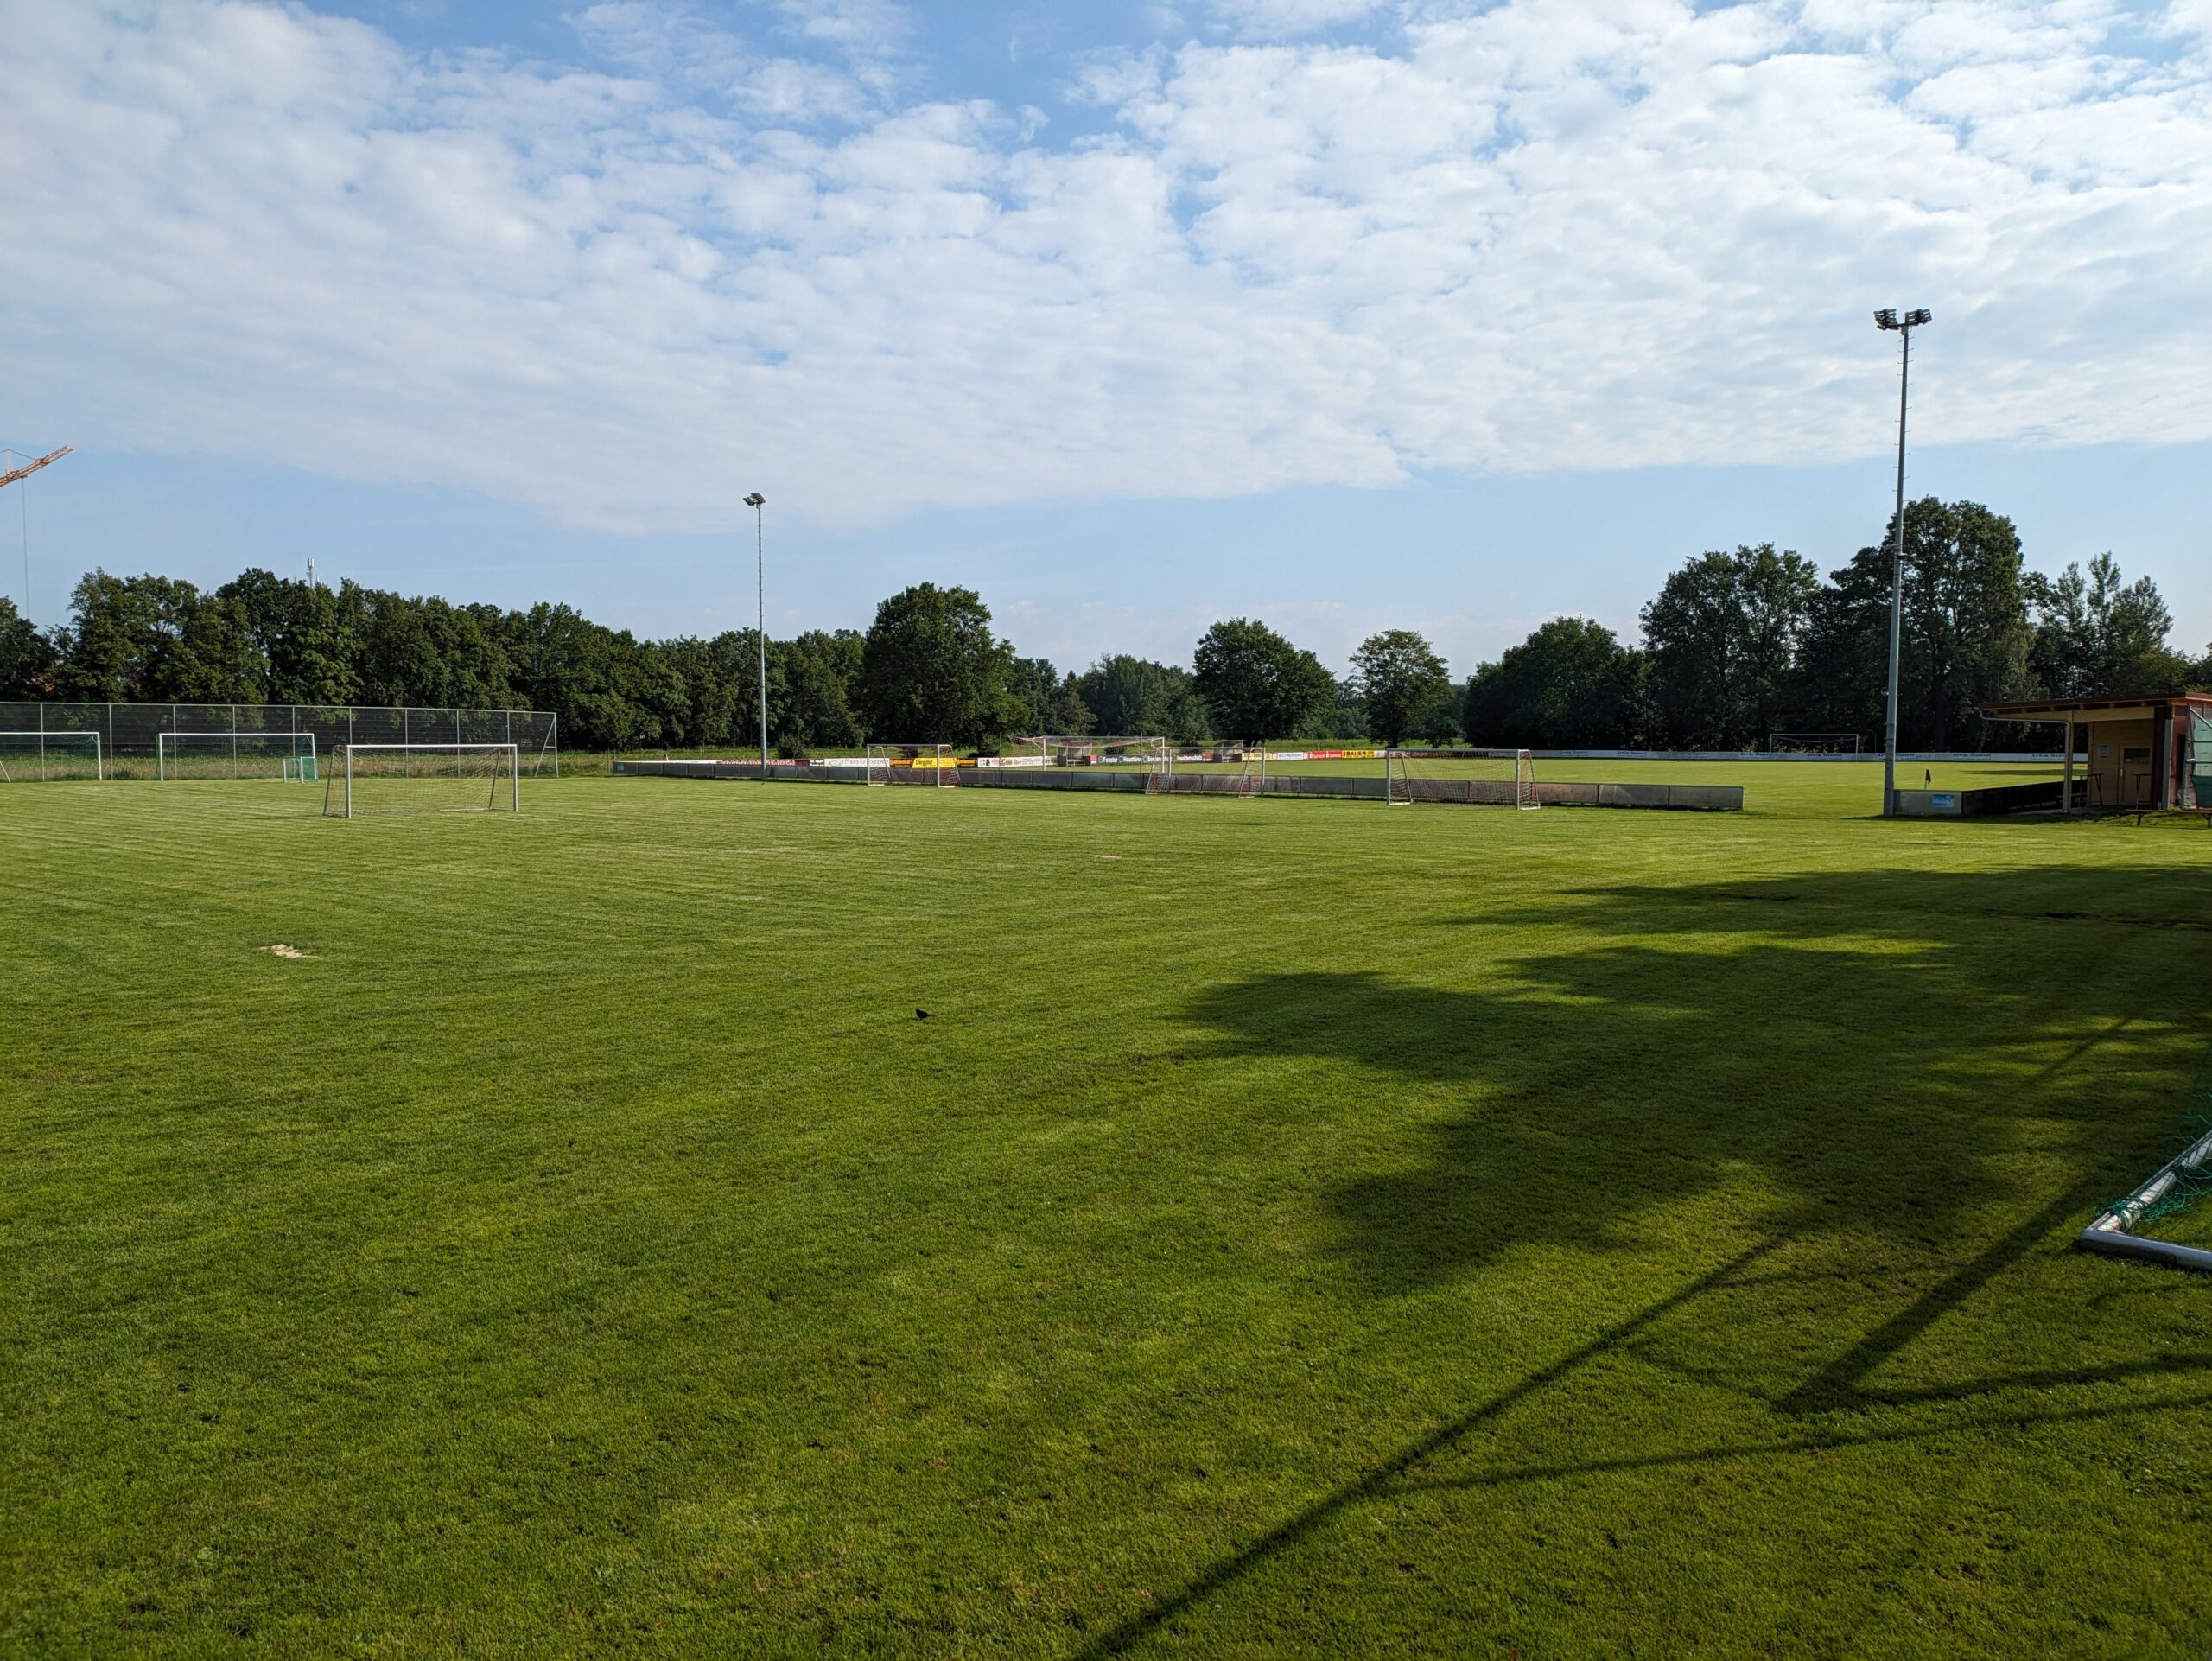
<point>39,754</point>
<point>367,778</point>
<point>1503,778</point>
<point>235,755</point>
<point>936,760</point>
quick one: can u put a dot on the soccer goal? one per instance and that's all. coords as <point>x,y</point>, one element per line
<point>365,779</point>
<point>1149,755</point>
<point>29,754</point>
<point>936,760</point>
<point>1503,778</point>
<point>1812,743</point>
<point>235,755</point>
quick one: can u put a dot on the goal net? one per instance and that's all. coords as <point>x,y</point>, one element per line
<point>912,764</point>
<point>1503,778</point>
<point>25,756</point>
<point>364,778</point>
<point>1150,754</point>
<point>1812,743</point>
<point>235,755</point>
<point>1239,772</point>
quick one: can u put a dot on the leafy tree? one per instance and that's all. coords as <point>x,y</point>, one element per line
<point>1344,720</point>
<point>1135,697</point>
<point>2098,634</point>
<point>124,638</point>
<point>1256,684</point>
<point>1723,634</point>
<point>820,672</point>
<point>932,670</point>
<point>1570,685</point>
<point>1400,679</point>
<point>294,630</point>
<point>27,657</point>
<point>1051,700</point>
<point>1965,635</point>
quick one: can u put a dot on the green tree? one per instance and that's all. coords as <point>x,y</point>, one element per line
<point>1255,684</point>
<point>2100,633</point>
<point>1723,634</point>
<point>294,630</point>
<point>932,672</point>
<point>1048,702</point>
<point>1400,680</point>
<point>821,671</point>
<point>1136,697</point>
<point>125,639</point>
<point>1966,634</point>
<point>27,657</point>
<point>1570,685</point>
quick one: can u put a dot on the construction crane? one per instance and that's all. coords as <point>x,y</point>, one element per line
<point>26,472</point>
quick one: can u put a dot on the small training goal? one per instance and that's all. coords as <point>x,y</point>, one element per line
<point>33,754</point>
<point>364,779</point>
<point>289,756</point>
<point>937,761</point>
<point>1500,778</point>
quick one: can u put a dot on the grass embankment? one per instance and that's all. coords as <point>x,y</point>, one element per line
<point>1301,1225</point>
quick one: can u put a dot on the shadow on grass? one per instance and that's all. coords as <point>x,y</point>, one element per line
<point>1900,1058</point>
<point>1884,1052</point>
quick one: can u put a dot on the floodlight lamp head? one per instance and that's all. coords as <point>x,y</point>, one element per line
<point>756,499</point>
<point>1885,318</point>
<point>1922,315</point>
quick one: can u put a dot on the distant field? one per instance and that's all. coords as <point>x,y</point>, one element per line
<point>1301,1227</point>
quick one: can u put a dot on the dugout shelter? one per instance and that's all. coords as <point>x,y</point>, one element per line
<point>2141,752</point>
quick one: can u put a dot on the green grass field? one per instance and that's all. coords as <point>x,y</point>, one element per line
<point>1302,1228</point>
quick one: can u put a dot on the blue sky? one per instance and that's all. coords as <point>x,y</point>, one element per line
<point>1345,314</point>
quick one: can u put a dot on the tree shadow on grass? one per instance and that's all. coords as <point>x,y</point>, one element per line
<point>1891,1052</point>
<point>1901,1057</point>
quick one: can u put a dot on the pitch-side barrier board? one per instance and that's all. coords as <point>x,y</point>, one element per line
<point>1708,799</point>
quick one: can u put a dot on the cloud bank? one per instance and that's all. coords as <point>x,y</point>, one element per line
<point>1549,235</point>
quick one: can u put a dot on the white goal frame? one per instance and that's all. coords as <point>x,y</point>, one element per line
<point>1398,781</point>
<point>1149,753</point>
<point>879,760</point>
<point>341,775</point>
<point>1814,743</point>
<point>163,741</point>
<point>99,767</point>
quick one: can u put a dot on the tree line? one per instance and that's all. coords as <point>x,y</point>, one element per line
<point>1735,646</point>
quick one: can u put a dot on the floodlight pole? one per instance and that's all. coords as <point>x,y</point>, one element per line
<point>756,501</point>
<point>1903,325</point>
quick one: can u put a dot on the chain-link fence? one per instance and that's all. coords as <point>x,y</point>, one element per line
<point>131,734</point>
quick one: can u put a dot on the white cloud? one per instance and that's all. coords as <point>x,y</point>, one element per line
<point>1589,233</point>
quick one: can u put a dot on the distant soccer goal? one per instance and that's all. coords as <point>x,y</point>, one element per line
<point>364,779</point>
<point>235,755</point>
<point>1503,778</point>
<point>938,761</point>
<point>1812,743</point>
<point>43,755</point>
<point>1143,753</point>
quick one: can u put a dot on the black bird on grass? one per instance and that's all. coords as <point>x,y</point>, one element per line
<point>921,1015</point>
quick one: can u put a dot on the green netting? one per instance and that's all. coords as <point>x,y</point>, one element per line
<point>2191,1182</point>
